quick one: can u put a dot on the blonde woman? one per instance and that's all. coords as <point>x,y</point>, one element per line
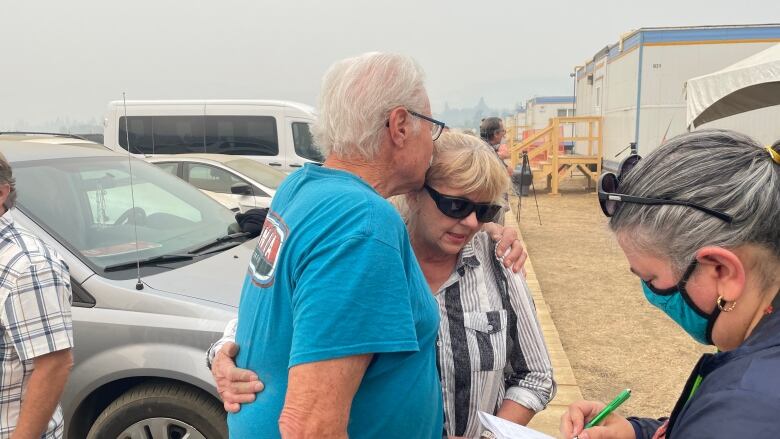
<point>491,353</point>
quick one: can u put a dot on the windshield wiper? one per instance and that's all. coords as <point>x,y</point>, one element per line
<point>175,257</point>
<point>217,241</point>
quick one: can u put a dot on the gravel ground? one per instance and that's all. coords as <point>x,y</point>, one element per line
<point>613,337</point>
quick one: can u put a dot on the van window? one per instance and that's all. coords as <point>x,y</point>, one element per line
<point>141,134</point>
<point>162,134</point>
<point>235,135</point>
<point>242,135</point>
<point>304,146</point>
<point>178,134</point>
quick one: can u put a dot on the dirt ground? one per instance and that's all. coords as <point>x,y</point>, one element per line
<point>613,337</point>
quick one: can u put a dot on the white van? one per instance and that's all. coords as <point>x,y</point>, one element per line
<point>276,133</point>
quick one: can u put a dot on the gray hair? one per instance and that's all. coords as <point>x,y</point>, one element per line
<point>7,177</point>
<point>356,98</point>
<point>489,127</point>
<point>720,169</point>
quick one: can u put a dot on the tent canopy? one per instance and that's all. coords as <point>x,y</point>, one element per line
<point>749,84</point>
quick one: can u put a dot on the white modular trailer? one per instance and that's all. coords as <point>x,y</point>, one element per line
<point>541,109</point>
<point>638,84</point>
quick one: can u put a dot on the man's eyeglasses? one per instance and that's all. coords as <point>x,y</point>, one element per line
<point>610,199</point>
<point>437,127</point>
<point>459,208</point>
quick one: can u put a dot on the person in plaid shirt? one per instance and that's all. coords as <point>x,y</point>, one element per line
<point>36,327</point>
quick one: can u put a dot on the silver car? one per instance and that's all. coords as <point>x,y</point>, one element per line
<point>236,182</point>
<point>156,269</point>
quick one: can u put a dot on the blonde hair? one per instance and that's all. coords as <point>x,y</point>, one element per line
<point>468,164</point>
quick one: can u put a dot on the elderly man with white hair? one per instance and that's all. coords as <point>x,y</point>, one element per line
<point>335,314</point>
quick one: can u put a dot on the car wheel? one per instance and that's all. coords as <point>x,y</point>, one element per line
<point>161,411</point>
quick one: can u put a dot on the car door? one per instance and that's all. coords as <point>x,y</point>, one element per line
<point>218,182</point>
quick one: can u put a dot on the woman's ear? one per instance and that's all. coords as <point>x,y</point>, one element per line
<point>725,269</point>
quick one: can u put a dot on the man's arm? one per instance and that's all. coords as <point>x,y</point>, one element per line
<point>319,397</point>
<point>43,393</point>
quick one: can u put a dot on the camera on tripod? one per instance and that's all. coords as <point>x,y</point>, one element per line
<point>522,177</point>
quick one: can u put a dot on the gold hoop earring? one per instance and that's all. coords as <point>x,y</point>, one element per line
<point>722,305</point>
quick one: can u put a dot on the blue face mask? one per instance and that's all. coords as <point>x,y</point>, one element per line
<point>676,303</point>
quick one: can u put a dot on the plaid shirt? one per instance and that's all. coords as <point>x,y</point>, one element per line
<point>35,318</point>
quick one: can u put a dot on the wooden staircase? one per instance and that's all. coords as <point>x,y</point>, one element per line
<point>556,164</point>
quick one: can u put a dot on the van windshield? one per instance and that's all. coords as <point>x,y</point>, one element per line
<point>86,203</point>
<point>304,144</point>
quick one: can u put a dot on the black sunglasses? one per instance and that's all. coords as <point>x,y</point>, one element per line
<point>610,199</point>
<point>459,208</point>
<point>437,127</point>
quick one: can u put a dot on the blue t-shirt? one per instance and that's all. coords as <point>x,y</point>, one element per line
<point>334,275</point>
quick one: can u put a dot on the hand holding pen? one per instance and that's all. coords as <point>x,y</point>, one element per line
<point>601,424</point>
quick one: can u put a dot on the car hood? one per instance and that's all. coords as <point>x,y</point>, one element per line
<point>216,278</point>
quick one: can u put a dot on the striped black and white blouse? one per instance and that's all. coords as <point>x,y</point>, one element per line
<point>490,345</point>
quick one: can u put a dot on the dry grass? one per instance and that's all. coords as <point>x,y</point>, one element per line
<point>613,337</point>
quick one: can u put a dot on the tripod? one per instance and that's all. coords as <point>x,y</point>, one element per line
<point>526,165</point>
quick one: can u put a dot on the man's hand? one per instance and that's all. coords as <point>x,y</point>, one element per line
<point>577,414</point>
<point>235,386</point>
<point>43,393</point>
<point>507,239</point>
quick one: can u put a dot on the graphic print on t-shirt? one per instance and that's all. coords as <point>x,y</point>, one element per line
<point>263,263</point>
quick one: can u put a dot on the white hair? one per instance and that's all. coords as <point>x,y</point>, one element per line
<point>719,169</point>
<point>356,98</point>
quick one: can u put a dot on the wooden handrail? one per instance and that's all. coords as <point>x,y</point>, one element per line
<point>515,148</point>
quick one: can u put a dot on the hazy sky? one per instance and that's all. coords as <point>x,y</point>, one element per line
<point>69,58</point>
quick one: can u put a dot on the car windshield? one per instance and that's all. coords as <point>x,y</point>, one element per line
<point>87,204</point>
<point>263,174</point>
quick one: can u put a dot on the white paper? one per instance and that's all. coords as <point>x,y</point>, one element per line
<point>504,429</point>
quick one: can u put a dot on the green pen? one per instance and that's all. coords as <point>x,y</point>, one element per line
<point>620,399</point>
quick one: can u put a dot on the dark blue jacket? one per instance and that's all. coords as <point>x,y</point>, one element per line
<point>739,394</point>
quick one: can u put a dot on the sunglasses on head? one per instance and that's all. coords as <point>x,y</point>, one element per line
<point>459,208</point>
<point>610,199</point>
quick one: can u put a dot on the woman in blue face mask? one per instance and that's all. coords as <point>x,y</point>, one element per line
<point>699,222</point>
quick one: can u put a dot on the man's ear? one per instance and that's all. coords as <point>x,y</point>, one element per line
<point>724,268</point>
<point>398,126</point>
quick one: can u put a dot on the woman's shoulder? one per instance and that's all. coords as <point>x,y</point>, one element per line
<point>483,246</point>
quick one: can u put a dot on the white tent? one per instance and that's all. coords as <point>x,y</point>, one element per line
<point>749,84</point>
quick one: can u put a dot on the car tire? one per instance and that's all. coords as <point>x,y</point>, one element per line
<point>161,411</point>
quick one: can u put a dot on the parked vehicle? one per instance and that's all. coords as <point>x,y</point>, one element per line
<point>50,138</point>
<point>276,133</point>
<point>140,333</point>
<point>238,183</point>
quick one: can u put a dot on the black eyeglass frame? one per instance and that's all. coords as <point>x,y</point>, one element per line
<point>605,196</point>
<point>435,122</point>
<point>489,209</point>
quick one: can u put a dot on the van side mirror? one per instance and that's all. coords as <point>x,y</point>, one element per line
<point>241,189</point>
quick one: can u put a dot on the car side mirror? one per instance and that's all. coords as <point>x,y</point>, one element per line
<point>241,189</point>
